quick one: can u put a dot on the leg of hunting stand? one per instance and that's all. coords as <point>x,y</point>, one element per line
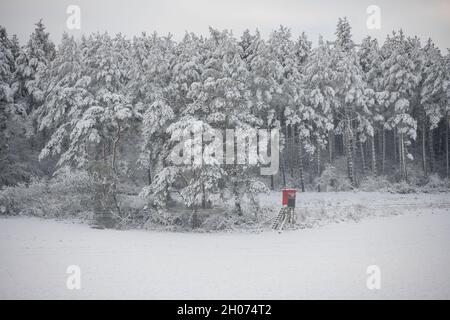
<point>282,223</point>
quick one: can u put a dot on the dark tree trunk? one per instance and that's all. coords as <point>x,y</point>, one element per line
<point>431,149</point>
<point>383,157</point>
<point>300,164</point>
<point>402,157</point>
<point>203,196</point>
<point>287,149</point>
<point>374,158</point>
<point>318,166</point>
<point>446,145</point>
<point>292,150</point>
<point>195,219</point>
<point>116,142</point>
<point>283,168</point>
<point>331,146</point>
<point>424,157</point>
<point>363,158</point>
<point>349,153</point>
<point>237,203</point>
<point>395,145</point>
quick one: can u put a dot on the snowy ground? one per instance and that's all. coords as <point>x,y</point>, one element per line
<point>412,250</point>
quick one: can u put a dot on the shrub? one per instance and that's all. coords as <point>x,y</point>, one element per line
<point>173,221</point>
<point>374,183</point>
<point>334,180</point>
<point>402,187</point>
<point>69,193</point>
<point>436,184</point>
<point>228,222</point>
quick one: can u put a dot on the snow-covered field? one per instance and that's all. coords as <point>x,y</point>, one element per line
<point>411,249</point>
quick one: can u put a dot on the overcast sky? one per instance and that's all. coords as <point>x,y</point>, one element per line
<point>417,17</point>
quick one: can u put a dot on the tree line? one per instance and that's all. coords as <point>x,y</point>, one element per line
<point>108,105</point>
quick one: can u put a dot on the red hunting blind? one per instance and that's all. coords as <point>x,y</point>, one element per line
<point>289,197</point>
<point>287,212</point>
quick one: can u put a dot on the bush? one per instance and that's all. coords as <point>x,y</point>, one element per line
<point>436,184</point>
<point>25,198</point>
<point>67,194</point>
<point>374,183</point>
<point>228,222</point>
<point>334,180</point>
<point>173,221</point>
<point>402,187</point>
<point>433,183</point>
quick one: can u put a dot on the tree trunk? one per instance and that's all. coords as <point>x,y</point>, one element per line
<point>353,153</point>
<point>344,143</point>
<point>203,196</point>
<point>384,151</point>
<point>431,149</point>
<point>292,152</point>
<point>446,144</point>
<point>114,196</point>
<point>104,151</point>
<point>402,157</point>
<point>380,139</point>
<point>287,149</point>
<point>300,164</point>
<point>395,145</point>
<point>341,144</point>
<point>195,219</point>
<point>374,159</point>
<point>330,146</point>
<point>237,202</point>
<point>318,166</point>
<point>283,168</point>
<point>424,158</point>
<point>115,148</point>
<point>349,153</point>
<point>363,158</point>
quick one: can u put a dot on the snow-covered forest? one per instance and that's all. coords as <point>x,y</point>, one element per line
<point>86,125</point>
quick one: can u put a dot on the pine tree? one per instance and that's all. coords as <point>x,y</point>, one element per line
<point>447,111</point>
<point>315,115</point>
<point>370,60</point>
<point>343,35</point>
<point>251,45</point>
<point>7,67</point>
<point>263,85</point>
<point>6,94</point>
<point>32,62</point>
<point>432,97</point>
<point>66,99</point>
<point>352,114</point>
<point>284,98</point>
<point>400,79</point>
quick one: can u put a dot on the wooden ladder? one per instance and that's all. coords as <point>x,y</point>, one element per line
<point>280,219</point>
<point>286,214</point>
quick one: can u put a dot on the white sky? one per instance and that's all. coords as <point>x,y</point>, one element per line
<point>417,17</point>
